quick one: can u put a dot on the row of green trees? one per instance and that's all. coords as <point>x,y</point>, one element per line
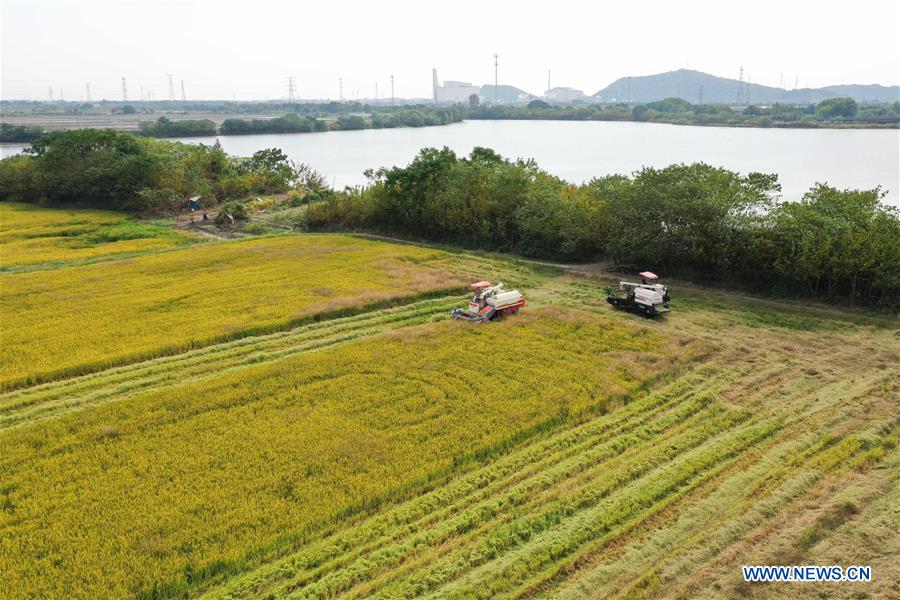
<point>289,123</point>
<point>294,123</point>
<point>10,133</point>
<point>113,169</point>
<point>690,220</point>
<point>165,127</point>
<point>828,113</point>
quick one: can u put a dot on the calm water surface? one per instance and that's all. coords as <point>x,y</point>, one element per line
<point>578,151</point>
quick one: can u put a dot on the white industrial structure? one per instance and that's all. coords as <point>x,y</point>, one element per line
<point>452,91</point>
<point>564,94</point>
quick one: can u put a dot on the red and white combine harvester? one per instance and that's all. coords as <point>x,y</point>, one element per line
<point>490,302</point>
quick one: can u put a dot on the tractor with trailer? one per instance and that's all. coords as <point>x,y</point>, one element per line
<point>490,302</point>
<point>647,298</point>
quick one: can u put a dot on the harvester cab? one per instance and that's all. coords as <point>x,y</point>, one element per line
<point>490,302</point>
<point>647,297</point>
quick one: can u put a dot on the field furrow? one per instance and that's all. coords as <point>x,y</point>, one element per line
<point>52,399</point>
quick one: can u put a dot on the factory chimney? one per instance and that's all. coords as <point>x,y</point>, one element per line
<point>434,85</point>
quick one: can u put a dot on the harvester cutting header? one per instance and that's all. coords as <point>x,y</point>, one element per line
<point>490,302</point>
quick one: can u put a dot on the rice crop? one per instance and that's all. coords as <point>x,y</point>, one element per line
<point>161,489</point>
<point>74,320</point>
<point>33,237</point>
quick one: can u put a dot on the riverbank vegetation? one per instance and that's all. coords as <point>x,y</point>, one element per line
<point>19,133</point>
<point>835,112</point>
<point>109,169</point>
<point>696,221</point>
<point>165,127</point>
<point>294,123</point>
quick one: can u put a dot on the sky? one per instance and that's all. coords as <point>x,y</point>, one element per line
<point>247,50</point>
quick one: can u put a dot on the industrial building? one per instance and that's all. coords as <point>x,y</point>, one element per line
<point>452,91</point>
<point>564,94</point>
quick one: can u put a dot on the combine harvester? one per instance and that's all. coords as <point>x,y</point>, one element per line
<point>645,298</point>
<point>490,302</point>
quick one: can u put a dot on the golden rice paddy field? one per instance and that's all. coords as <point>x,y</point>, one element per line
<point>32,237</point>
<point>384,451</point>
<point>80,319</point>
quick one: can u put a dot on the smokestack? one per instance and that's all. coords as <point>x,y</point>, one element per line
<point>434,85</point>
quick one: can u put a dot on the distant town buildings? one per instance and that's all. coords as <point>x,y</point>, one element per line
<point>564,94</point>
<point>452,91</point>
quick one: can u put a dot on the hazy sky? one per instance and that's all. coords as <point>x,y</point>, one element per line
<point>248,49</point>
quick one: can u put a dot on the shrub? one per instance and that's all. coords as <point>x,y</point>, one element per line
<point>255,229</point>
<point>236,210</point>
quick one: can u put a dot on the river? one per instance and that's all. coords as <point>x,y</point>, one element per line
<point>580,150</point>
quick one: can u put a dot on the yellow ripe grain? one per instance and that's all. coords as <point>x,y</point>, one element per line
<point>79,319</point>
<point>131,495</point>
<point>31,235</point>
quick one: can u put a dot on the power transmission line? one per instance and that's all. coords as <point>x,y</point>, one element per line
<point>125,91</point>
<point>495,77</point>
<point>50,93</point>
<point>171,87</point>
<point>183,97</point>
<point>290,89</point>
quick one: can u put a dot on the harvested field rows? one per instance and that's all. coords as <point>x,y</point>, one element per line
<point>191,478</point>
<point>564,510</point>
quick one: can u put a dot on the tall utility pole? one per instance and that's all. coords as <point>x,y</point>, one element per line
<point>340,89</point>
<point>376,91</point>
<point>740,90</point>
<point>50,93</point>
<point>495,77</point>
<point>183,97</point>
<point>87,92</point>
<point>124,91</point>
<point>60,95</point>
<point>291,89</point>
<point>392,90</point>
<point>171,86</point>
<point>142,94</point>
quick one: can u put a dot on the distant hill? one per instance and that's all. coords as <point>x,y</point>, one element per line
<point>507,94</point>
<point>686,84</point>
